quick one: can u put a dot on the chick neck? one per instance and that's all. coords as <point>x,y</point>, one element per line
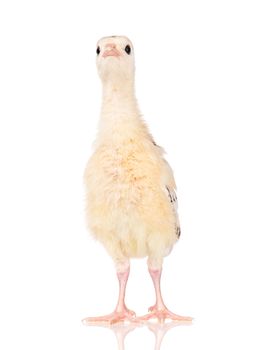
<point>118,99</point>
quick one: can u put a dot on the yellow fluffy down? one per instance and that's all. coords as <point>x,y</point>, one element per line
<point>127,205</point>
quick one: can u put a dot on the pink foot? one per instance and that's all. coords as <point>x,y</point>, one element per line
<point>115,317</point>
<point>162,314</point>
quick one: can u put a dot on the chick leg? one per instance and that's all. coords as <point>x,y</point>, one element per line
<point>121,312</point>
<point>159,310</point>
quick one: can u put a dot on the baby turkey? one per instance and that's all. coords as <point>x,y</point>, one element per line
<point>131,205</point>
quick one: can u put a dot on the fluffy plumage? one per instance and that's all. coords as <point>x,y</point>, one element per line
<point>130,187</point>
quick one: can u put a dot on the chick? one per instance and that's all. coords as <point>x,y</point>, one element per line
<point>131,204</point>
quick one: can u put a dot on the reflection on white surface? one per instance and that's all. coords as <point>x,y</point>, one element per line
<point>158,329</point>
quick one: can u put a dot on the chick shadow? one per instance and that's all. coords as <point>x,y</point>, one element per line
<point>121,330</point>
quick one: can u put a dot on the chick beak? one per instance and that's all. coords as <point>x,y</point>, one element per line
<point>111,51</point>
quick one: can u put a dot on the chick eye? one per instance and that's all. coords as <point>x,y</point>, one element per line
<point>98,50</point>
<point>128,49</point>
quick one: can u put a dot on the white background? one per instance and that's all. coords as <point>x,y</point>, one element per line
<point>203,85</point>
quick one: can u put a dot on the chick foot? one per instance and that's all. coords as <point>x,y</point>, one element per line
<point>162,314</point>
<point>114,317</point>
<point>159,310</point>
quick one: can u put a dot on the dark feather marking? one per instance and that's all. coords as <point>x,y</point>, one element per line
<point>173,199</point>
<point>170,196</point>
<point>155,144</point>
<point>178,232</point>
